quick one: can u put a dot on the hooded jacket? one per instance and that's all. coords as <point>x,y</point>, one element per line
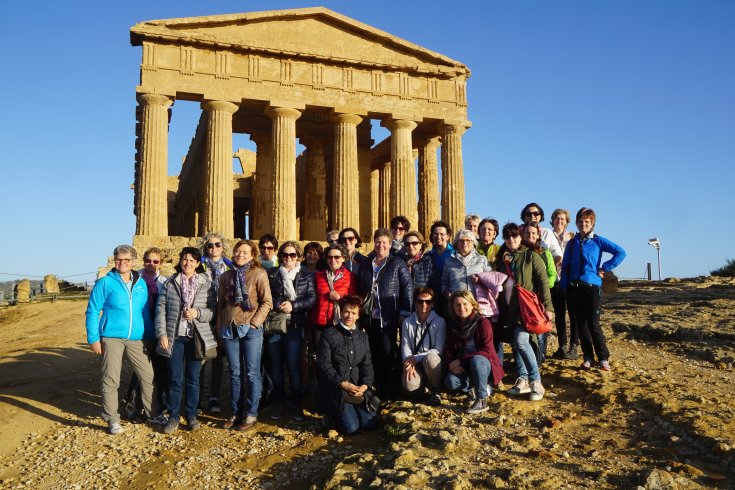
<point>125,313</point>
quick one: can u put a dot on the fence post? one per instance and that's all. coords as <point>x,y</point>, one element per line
<point>648,271</point>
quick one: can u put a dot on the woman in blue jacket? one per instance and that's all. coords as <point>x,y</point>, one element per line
<point>581,278</point>
<point>122,297</point>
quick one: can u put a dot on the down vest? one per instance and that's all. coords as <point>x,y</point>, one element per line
<point>394,291</point>
<point>168,310</point>
<point>305,293</point>
<point>323,311</point>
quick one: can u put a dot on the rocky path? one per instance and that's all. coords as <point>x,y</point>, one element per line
<point>663,418</point>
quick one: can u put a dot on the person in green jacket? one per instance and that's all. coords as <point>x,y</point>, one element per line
<point>532,240</point>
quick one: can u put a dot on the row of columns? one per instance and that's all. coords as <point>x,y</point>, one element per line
<point>275,205</point>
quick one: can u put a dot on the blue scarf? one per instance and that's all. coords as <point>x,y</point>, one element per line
<point>241,290</point>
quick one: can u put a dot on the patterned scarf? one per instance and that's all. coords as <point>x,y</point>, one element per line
<point>150,281</point>
<point>217,268</point>
<point>463,329</point>
<point>414,260</point>
<point>333,277</point>
<point>466,259</point>
<point>188,290</point>
<point>288,278</point>
<point>241,297</point>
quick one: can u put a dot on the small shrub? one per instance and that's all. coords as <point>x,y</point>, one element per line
<point>727,270</point>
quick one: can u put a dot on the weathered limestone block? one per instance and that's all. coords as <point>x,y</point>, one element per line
<point>23,291</point>
<point>609,283</point>
<point>50,284</point>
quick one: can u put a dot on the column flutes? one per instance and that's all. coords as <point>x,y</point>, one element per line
<point>315,198</point>
<point>453,198</point>
<point>218,201</point>
<point>346,177</point>
<point>152,212</point>
<point>263,188</point>
<point>429,203</point>
<point>403,174</point>
<point>384,196</point>
<point>283,158</point>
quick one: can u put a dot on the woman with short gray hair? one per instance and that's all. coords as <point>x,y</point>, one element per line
<point>122,298</point>
<point>461,268</point>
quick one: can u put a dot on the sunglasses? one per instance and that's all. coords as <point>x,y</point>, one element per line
<point>213,245</point>
<point>411,244</point>
<point>424,301</point>
<point>154,262</point>
<point>267,247</point>
<point>533,213</point>
<point>334,257</point>
<point>349,238</point>
<point>291,255</point>
<point>398,228</point>
<point>514,235</point>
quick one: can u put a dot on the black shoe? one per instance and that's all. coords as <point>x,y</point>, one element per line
<point>559,354</point>
<point>192,423</point>
<point>433,400</point>
<point>571,353</point>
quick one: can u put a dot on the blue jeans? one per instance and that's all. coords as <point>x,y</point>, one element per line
<point>243,357</point>
<point>183,365</point>
<point>477,378</point>
<point>280,348</point>
<point>354,417</point>
<point>542,346</point>
<point>524,355</point>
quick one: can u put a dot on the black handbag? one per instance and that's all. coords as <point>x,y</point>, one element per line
<point>200,350</point>
<point>275,323</point>
<point>372,402</point>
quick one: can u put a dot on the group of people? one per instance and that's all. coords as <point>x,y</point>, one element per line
<point>410,318</point>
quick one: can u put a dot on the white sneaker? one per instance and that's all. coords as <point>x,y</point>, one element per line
<point>115,428</point>
<point>521,387</point>
<point>537,390</point>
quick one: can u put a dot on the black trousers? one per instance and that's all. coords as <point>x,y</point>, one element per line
<point>559,301</point>
<point>384,354</point>
<point>584,301</point>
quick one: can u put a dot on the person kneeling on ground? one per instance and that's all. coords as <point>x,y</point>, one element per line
<point>422,341</point>
<point>346,371</point>
<point>469,352</point>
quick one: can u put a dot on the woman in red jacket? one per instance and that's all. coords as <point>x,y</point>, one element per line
<point>469,352</point>
<point>332,283</point>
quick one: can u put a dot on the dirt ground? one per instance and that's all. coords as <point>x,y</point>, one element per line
<point>664,417</point>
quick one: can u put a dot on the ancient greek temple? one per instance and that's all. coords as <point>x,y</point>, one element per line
<point>308,75</point>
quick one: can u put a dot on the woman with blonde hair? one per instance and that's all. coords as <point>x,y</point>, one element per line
<point>469,352</point>
<point>243,302</point>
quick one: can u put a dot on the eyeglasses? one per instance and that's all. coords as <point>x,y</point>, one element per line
<point>334,257</point>
<point>398,228</point>
<point>424,301</point>
<point>349,238</point>
<point>412,244</point>
<point>154,262</point>
<point>267,247</point>
<point>292,255</point>
<point>215,244</point>
<point>533,213</point>
<point>513,235</point>
<point>123,261</point>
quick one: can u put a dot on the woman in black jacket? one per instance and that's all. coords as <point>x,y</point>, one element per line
<point>346,371</point>
<point>386,285</point>
<point>293,294</point>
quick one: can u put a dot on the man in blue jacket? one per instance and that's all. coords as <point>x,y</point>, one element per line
<point>122,297</point>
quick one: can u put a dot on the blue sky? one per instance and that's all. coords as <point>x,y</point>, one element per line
<point>627,107</point>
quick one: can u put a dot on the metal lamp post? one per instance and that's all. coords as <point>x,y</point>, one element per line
<point>655,243</point>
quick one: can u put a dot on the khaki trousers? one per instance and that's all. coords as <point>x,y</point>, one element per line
<point>112,355</point>
<point>430,368</point>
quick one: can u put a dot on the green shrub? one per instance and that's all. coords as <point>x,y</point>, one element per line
<point>727,270</point>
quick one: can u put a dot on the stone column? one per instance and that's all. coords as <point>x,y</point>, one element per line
<point>152,212</point>
<point>429,203</point>
<point>384,215</point>
<point>315,198</point>
<point>263,186</point>
<point>453,199</point>
<point>403,174</point>
<point>374,198</point>
<point>218,195</point>
<point>283,158</point>
<point>346,195</point>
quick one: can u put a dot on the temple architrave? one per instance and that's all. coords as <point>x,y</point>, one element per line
<point>308,75</point>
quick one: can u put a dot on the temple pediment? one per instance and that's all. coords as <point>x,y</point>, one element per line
<point>318,34</point>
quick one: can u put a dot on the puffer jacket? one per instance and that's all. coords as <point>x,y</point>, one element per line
<point>323,311</point>
<point>168,310</point>
<point>457,277</point>
<point>395,289</point>
<point>489,286</point>
<point>582,259</point>
<point>528,270</point>
<point>305,293</point>
<point>125,314</point>
<point>342,355</point>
